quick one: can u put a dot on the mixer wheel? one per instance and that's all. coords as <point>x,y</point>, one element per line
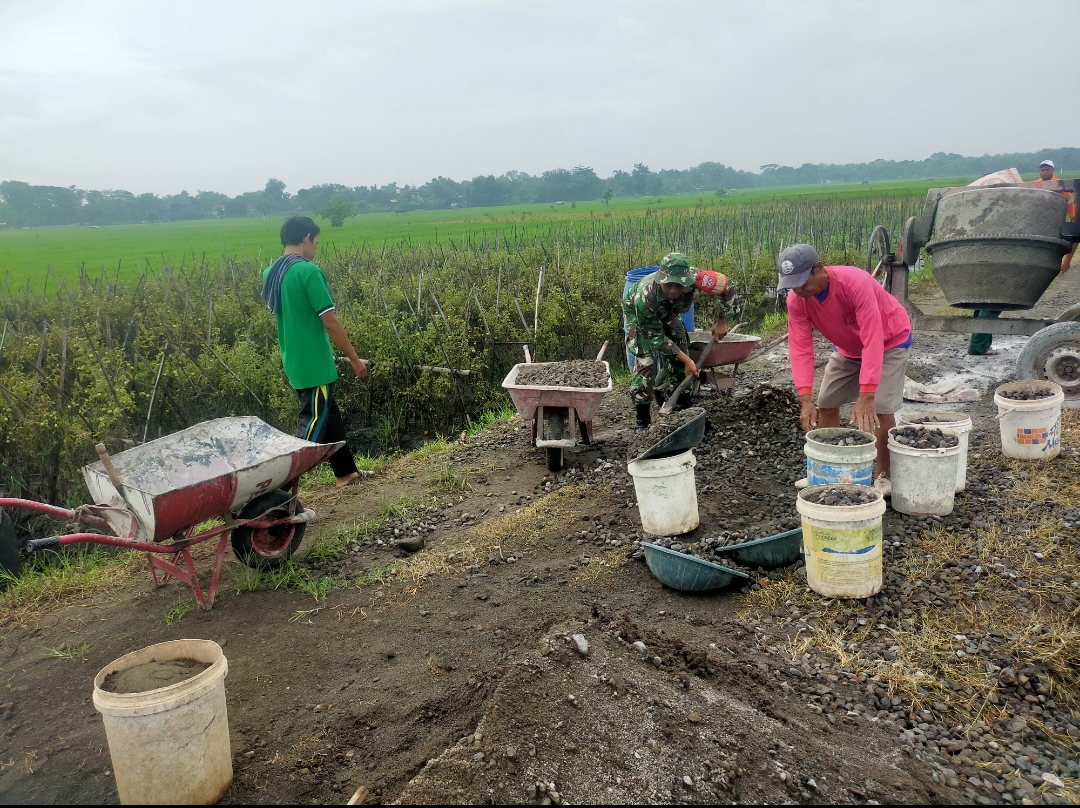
<point>1053,354</point>
<point>877,255</point>
<point>1070,314</point>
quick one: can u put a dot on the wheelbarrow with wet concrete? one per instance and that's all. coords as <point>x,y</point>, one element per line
<point>229,478</point>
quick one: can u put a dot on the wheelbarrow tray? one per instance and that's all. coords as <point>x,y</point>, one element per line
<point>527,397</point>
<point>205,471</point>
<point>731,350</point>
<point>778,550</point>
<point>686,573</point>
<point>685,437</point>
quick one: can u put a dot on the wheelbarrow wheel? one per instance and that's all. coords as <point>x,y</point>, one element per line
<point>554,458</point>
<point>556,429</point>
<point>267,547</point>
<point>1053,354</point>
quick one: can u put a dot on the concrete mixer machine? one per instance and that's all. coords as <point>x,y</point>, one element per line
<point>993,248</point>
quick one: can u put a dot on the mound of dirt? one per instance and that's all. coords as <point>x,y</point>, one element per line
<point>575,373</point>
<point>152,675</point>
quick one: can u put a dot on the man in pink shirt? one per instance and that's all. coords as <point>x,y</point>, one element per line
<point>872,336</point>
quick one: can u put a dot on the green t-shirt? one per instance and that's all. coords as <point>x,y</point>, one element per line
<point>305,346</point>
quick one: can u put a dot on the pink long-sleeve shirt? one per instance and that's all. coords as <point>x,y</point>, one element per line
<point>859,317</point>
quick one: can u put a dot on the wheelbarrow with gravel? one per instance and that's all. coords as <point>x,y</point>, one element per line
<point>713,355</point>
<point>559,400</point>
<point>159,498</point>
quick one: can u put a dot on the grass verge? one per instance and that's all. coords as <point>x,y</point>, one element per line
<point>51,579</point>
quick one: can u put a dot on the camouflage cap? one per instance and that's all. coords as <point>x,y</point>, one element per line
<point>675,268</point>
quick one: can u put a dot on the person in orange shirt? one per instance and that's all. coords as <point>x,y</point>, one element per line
<point>1046,174</point>
<point>979,344</point>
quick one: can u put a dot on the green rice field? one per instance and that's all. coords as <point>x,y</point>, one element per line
<point>26,255</point>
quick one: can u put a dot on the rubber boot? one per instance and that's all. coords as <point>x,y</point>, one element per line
<point>644,417</point>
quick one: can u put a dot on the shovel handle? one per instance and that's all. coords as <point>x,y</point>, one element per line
<point>669,405</point>
<point>110,469</point>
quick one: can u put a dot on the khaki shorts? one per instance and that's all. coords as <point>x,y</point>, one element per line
<point>840,383</point>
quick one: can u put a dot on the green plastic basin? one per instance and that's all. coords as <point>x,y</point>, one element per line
<point>686,573</point>
<point>772,551</point>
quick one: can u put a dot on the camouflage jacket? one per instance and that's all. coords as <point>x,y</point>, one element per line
<point>651,315</point>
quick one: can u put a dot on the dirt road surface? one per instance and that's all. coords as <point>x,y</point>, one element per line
<point>461,678</point>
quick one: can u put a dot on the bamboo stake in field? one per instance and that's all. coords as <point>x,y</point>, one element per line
<point>536,312</point>
<point>153,393</point>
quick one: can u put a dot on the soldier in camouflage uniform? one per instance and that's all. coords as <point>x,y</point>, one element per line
<point>655,333</point>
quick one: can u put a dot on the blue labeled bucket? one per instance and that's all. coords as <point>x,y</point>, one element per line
<point>829,464</point>
<point>632,277</point>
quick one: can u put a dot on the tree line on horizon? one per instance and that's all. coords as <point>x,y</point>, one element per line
<point>25,205</point>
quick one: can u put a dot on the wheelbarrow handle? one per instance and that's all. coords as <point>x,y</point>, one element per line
<point>603,350</point>
<point>528,356</point>
<point>42,544</point>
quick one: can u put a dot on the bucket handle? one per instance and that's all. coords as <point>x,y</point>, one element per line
<point>1005,412</point>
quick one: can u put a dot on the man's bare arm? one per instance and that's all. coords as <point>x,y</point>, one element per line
<point>338,336</point>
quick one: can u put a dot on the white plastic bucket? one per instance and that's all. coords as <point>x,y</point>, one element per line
<point>666,493</point>
<point>170,744</point>
<point>951,423</point>
<point>842,545</point>
<point>923,480</point>
<point>1030,430</point>
<point>827,464</point>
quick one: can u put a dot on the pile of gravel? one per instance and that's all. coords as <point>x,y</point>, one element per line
<point>574,373</point>
<point>845,496</point>
<point>661,427</point>
<point>918,437</point>
<point>700,550</point>
<point>1029,394</point>
<point>850,437</point>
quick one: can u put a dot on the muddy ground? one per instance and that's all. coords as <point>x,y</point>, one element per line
<point>458,679</point>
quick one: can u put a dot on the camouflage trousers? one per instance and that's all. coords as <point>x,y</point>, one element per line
<point>653,370</point>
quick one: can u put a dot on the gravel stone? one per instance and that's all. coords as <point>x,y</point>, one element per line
<point>661,427</point>
<point>1033,394</point>
<point>842,496</point>
<point>851,437</point>
<point>574,373</point>
<point>581,645</point>
<point>918,437</point>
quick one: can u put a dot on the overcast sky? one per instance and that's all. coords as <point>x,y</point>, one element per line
<point>220,95</point>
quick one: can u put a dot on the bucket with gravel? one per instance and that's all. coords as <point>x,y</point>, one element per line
<point>166,723</point>
<point>955,423</point>
<point>841,528</point>
<point>1029,415</point>
<point>840,456</point>
<point>924,468</point>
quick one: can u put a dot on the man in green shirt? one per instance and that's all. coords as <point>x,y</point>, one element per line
<point>299,297</point>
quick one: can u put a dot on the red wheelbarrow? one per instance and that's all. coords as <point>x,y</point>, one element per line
<point>556,413</point>
<point>734,349</point>
<point>154,497</point>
